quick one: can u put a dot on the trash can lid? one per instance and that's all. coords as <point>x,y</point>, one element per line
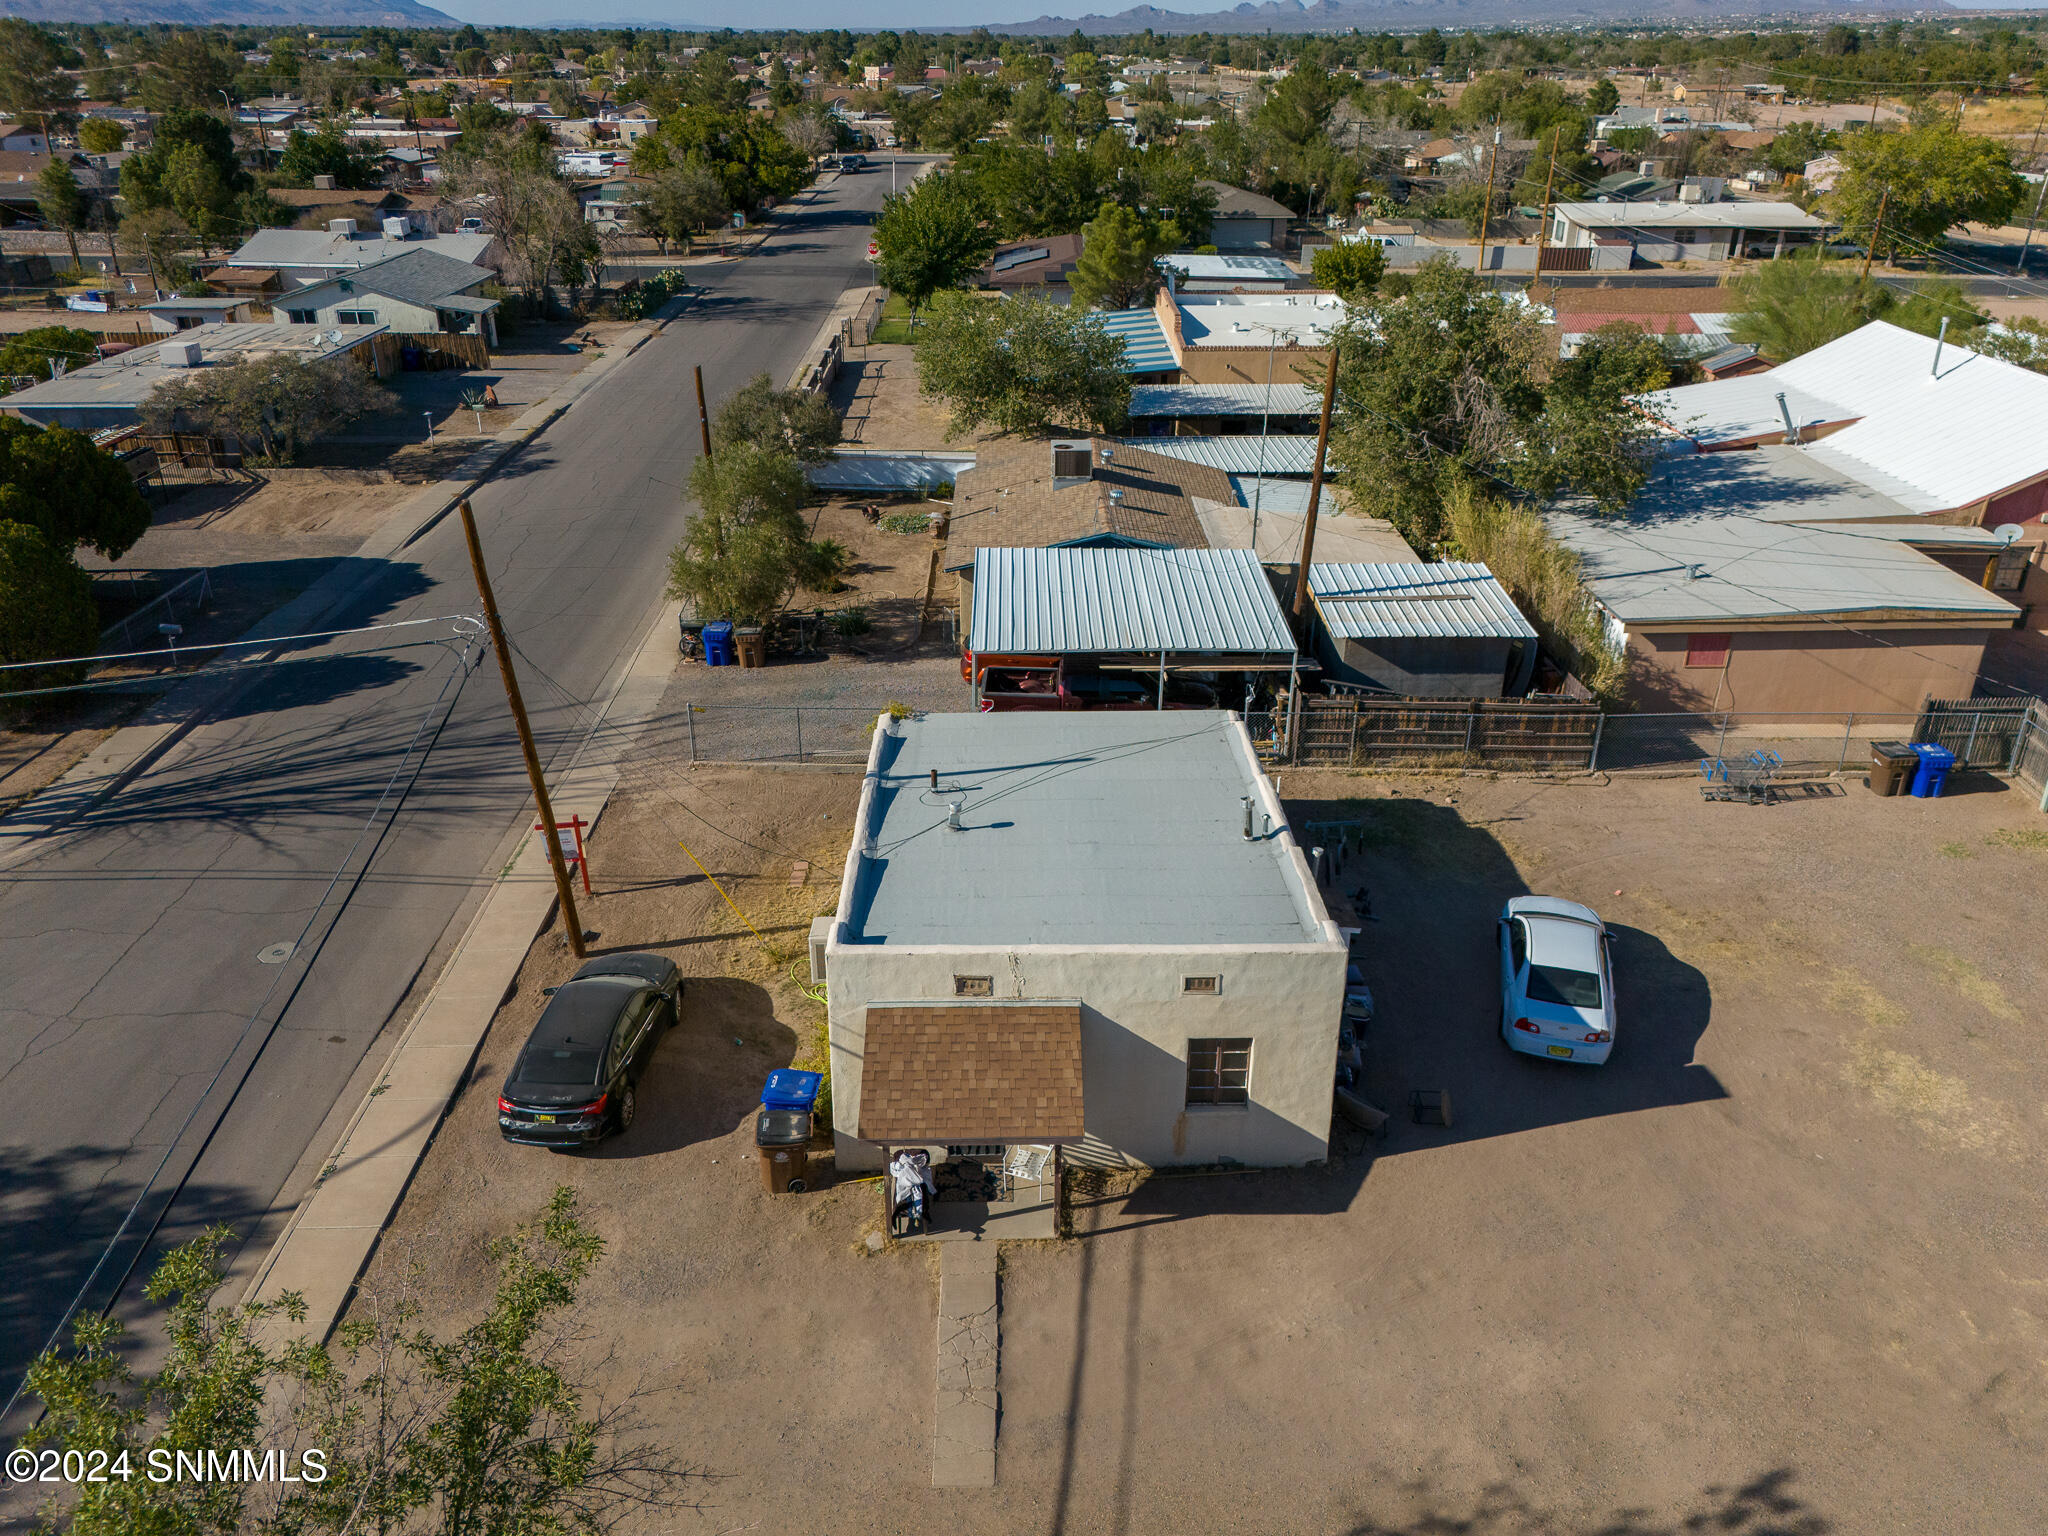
<point>718,627</point>
<point>788,1088</point>
<point>782,1128</point>
<point>1934,756</point>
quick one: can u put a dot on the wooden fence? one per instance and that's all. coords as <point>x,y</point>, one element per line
<point>1351,732</point>
<point>440,349</point>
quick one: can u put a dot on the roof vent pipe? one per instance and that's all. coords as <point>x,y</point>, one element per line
<point>1935,371</point>
<point>1784,410</point>
<point>935,781</point>
<point>953,818</point>
<point>1248,818</point>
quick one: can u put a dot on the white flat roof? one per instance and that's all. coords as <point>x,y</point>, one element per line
<point>128,378</point>
<point>1254,319</point>
<point>1669,215</point>
<point>1240,269</point>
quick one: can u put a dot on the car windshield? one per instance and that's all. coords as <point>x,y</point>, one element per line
<point>543,1064</point>
<point>1555,984</point>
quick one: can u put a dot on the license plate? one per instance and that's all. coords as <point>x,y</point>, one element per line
<point>1560,1050</point>
<point>550,1119</point>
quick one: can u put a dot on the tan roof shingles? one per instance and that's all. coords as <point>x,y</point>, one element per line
<point>971,1072</point>
<point>1157,506</point>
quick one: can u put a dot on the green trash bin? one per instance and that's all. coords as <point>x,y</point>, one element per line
<point>1892,766</point>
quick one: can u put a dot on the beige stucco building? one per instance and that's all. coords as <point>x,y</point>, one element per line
<point>1090,930</point>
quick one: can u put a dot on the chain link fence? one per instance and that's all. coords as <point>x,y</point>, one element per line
<point>772,733</point>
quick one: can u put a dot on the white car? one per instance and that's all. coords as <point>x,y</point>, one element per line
<point>1556,980</point>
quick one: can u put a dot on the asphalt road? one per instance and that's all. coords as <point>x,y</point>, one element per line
<point>349,804</point>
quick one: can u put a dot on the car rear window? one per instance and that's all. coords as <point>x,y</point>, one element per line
<point>545,1065</point>
<point>1571,989</point>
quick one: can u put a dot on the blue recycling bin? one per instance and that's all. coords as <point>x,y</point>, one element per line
<point>718,650</point>
<point>1933,772</point>
<point>789,1088</point>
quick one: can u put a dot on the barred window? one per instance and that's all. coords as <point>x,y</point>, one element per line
<point>1219,1071</point>
<point>974,986</point>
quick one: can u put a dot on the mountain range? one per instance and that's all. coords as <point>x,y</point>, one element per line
<point>1451,15</point>
<point>261,13</point>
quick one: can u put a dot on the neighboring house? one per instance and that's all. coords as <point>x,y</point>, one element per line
<point>1682,231</point>
<point>315,206</point>
<point>1771,582</point>
<point>610,205</point>
<point>20,179</point>
<point>418,292</point>
<point>19,138</point>
<point>1248,338</point>
<point>1823,172</point>
<point>1097,935</point>
<point>111,393</point>
<point>1247,220</point>
<point>1151,613</point>
<point>183,314</point>
<point>1191,272</point>
<point>1020,264</point>
<point>302,257</point>
<point>1426,631</point>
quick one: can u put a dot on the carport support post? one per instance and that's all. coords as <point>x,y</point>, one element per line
<point>563,890</point>
<point>1160,702</point>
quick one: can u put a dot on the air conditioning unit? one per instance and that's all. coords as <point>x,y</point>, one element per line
<point>179,354</point>
<point>341,227</point>
<point>397,228</point>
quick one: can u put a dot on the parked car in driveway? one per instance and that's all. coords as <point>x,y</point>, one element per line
<point>576,1080</point>
<point>1556,980</point>
<point>1008,688</point>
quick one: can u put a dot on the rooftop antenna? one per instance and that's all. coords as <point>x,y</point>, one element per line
<point>1935,371</point>
<point>1784,410</point>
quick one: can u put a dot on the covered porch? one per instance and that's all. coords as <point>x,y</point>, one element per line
<point>990,1093</point>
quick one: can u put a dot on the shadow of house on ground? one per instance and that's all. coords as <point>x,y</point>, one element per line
<point>1763,1506</point>
<point>1433,885</point>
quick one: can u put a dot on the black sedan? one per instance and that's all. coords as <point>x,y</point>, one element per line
<point>575,1080</point>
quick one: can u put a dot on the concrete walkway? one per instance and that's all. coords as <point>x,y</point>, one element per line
<point>964,1423</point>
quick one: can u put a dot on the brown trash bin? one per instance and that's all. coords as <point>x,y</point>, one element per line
<point>783,1138</point>
<point>1892,765</point>
<point>751,644</point>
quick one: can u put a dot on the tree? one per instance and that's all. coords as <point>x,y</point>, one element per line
<point>932,237</point>
<point>1799,302</point>
<point>1937,178</point>
<point>33,86</point>
<point>682,201</point>
<point>1603,98</point>
<point>101,136</point>
<point>1351,269</point>
<point>1442,387</point>
<point>1022,365</point>
<point>271,403</point>
<point>63,202</point>
<point>1797,144</point>
<point>46,607</point>
<point>1119,265</point>
<point>191,168</point>
<point>805,426</point>
<point>525,204</point>
<point>326,153</point>
<point>161,236</point>
<point>748,547</point>
<point>192,69</point>
<point>57,482</point>
<point>809,134</point>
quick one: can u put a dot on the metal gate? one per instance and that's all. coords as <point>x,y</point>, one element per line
<point>1983,733</point>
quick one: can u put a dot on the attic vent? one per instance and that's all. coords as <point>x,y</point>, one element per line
<point>1070,463</point>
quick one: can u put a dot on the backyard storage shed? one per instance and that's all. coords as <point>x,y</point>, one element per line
<point>1445,631</point>
<point>1124,880</point>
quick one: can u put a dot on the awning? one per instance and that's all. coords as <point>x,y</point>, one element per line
<point>935,1073</point>
<point>241,277</point>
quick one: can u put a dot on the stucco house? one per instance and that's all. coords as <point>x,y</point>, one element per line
<point>419,292</point>
<point>1087,932</point>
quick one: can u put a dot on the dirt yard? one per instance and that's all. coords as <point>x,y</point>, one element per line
<point>1777,1268</point>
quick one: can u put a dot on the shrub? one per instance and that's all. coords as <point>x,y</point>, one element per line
<point>46,608</point>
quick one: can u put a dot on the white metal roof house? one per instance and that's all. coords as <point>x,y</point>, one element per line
<point>1426,631</point>
<point>1086,931</point>
<point>302,257</point>
<point>417,292</point>
<point>1675,231</point>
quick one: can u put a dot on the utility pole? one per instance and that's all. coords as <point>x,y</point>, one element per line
<point>1871,250</point>
<point>571,920</point>
<point>1486,208</point>
<point>2036,219</point>
<point>1543,219</point>
<point>703,416</point>
<point>1315,496</point>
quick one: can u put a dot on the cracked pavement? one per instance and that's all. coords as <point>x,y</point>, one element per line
<point>129,943</point>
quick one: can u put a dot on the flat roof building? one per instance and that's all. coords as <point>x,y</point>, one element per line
<point>1135,868</point>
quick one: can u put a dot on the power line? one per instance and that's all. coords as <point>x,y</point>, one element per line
<point>222,645</point>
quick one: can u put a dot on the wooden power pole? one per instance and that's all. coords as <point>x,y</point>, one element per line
<point>571,920</point>
<point>1486,209</point>
<point>703,415</point>
<point>1315,496</point>
<point>1871,249</point>
<point>1543,215</point>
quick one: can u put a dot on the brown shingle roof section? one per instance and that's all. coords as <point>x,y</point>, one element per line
<point>971,1072</point>
<point>1157,505</point>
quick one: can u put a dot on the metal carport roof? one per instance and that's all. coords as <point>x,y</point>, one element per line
<point>1077,601</point>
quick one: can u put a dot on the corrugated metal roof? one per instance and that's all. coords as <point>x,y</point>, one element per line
<point>1145,346</point>
<point>1689,216</point>
<point>1285,453</point>
<point>1074,601</point>
<point>1380,602</point>
<point>1224,400</point>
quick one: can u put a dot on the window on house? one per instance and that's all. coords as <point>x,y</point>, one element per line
<point>302,317</point>
<point>1201,986</point>
<point>355,317</point>
<point>974,986</point>
<point>1219,1071</point>
<point>1707,650</point>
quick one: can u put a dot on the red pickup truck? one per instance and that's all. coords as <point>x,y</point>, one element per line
<point>1019,688</point>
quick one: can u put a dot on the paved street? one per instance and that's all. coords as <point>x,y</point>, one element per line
<point>135,991</point>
